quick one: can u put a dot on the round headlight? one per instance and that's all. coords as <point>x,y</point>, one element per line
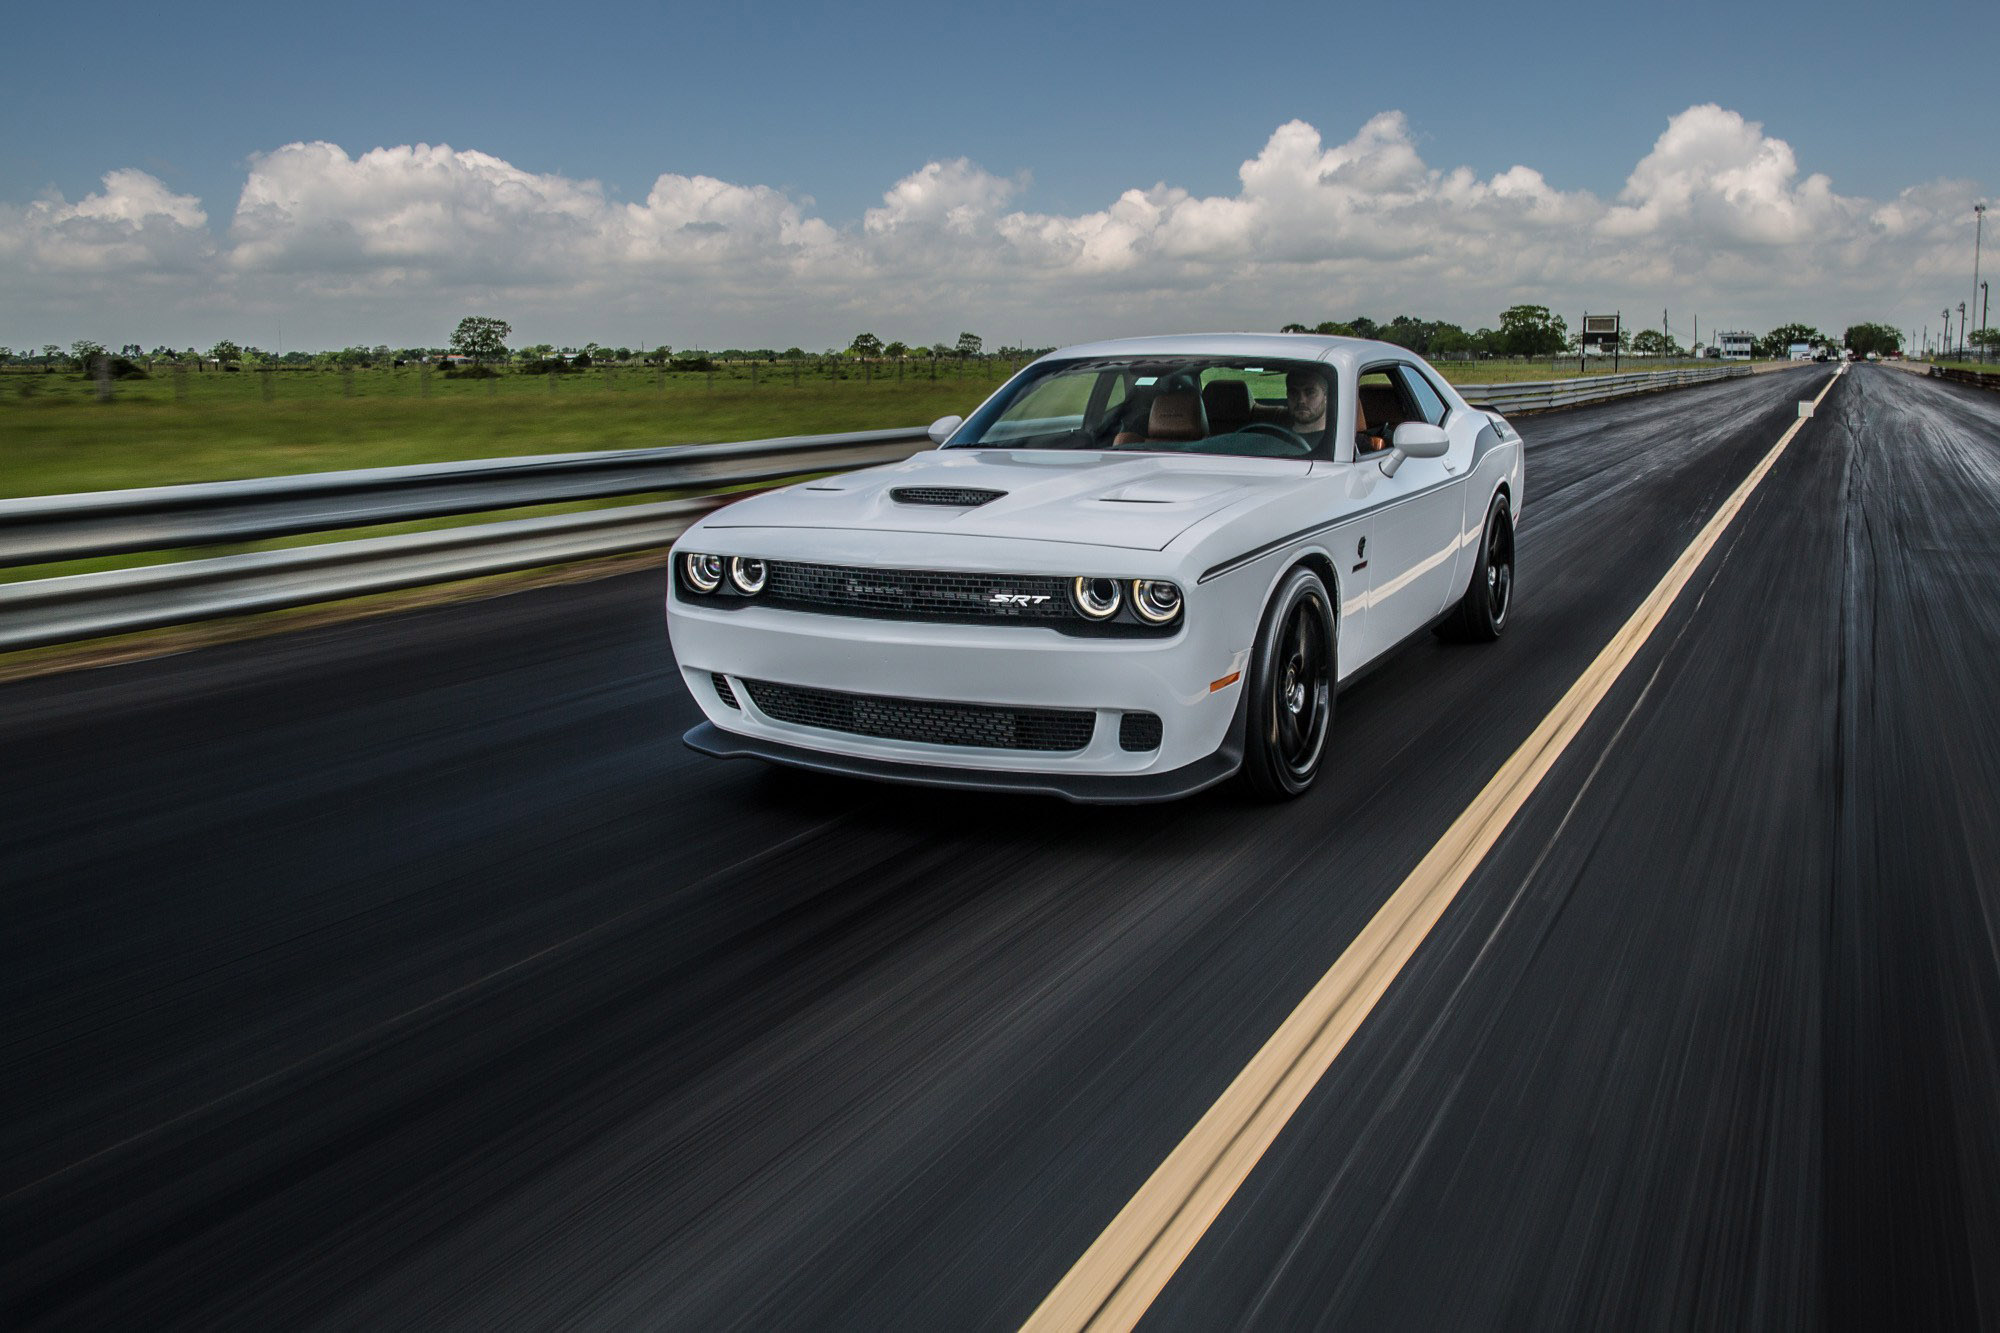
<point>1156,600</point>
<point>748,575</point>
<point>702,572</point>
<point>1098,599</point>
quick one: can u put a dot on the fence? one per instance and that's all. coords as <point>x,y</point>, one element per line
<point>65,608</point>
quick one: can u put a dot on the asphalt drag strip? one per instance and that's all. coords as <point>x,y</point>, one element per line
<point>1711,1038</point>
<point>409,972</point>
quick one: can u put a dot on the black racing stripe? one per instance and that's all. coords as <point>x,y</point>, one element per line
<point>1257,553</point>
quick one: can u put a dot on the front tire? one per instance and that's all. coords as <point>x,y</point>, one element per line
<point>1291,689</point>
<point>1481,615</point>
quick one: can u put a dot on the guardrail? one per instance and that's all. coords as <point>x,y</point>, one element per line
<point>66,608</point>
<point>1542,395</point>
<point>1983,379</point>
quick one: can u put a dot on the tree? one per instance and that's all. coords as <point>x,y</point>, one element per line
<point>1532,330</point>
<point>83,351</point>
<point>1295,328</point>
<point>896,350</point>
<point>969,344</point>
<point>481,338</point>
<point>225,352</point>
<point>1978,338</point>
<point>1861,339</point>
<point>865,345</point>
<point>1779,340</point>
<point>1652,342</point>
<point>1450,340</point>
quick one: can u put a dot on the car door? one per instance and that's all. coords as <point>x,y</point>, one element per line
<point>1415,514</point>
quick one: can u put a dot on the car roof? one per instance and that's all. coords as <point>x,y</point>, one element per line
<point>1294,346</point>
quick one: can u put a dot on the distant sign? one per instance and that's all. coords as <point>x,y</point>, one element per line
<point>1600,331</point>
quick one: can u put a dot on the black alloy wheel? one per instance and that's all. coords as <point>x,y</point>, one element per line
<point>1291,689</point>
<point>1481,615</point>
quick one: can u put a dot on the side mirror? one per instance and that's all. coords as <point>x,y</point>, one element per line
<point>1420,439</point>
<point>1414,439</point>
<point>942,428</point>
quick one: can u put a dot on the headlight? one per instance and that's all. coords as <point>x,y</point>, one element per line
<point>747,575</point>
<point>702,572</point>
<point>1098,599</point>
<point>1156,600</point>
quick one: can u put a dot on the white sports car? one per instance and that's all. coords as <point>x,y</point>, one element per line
<point>1140,567</point>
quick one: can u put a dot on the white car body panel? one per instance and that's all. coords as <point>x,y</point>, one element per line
<point>1225,529</point>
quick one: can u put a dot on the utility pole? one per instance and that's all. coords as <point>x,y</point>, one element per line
<point>1944,347</point>
<point>1978,227</point>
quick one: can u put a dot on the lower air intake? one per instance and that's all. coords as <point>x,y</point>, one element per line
<point>1139,731</point>
<point>722,688</point>
<point>980,725</point>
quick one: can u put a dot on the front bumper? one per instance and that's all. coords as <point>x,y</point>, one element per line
<point>1083,788</point>
<point>1016,667</point>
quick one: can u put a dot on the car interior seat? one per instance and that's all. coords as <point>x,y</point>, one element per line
<point>1376,412</point>
<point>1228,405</point>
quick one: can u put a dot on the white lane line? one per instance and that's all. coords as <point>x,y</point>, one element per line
<point>1125,1269</point>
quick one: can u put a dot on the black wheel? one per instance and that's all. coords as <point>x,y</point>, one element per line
<point>1291,689</point>
<point>1481,615</point>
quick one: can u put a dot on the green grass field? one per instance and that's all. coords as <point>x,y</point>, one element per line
<point>55,437</point>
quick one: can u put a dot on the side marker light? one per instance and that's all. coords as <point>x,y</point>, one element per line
<point>1225,682</point>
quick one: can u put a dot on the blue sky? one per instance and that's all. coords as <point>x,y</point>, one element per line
<point>831,106</point>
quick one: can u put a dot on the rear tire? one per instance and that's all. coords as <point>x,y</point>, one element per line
<point>1481,615</point>
<point>1292,674</point>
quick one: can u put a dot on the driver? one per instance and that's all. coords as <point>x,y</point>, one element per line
<point>1305,396</point>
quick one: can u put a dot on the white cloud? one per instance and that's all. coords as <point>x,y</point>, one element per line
<point>1717,219</point>
<point>134,224</point>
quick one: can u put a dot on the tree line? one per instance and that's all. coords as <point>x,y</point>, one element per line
<point>1524,331</point>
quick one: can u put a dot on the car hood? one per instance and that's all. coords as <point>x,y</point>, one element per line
<point>1137,501</point>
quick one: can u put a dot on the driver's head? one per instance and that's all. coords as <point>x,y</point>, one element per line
<point>1305,395</point>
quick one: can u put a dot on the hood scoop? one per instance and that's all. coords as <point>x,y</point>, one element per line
<point>956,497</point>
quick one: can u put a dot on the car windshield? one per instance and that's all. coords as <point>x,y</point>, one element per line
<point>1244,406</point>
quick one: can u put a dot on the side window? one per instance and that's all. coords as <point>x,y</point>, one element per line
<point>1115,396</point>
<point>1430,404</point>
<point>1106,399</point>
<point>1379,407</point>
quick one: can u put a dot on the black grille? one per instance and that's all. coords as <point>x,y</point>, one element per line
<point>917,720</point>
<point>929,595</point>
<point>908,594</point>
<point>964,497</point>
<point>1139,731</point>
<point>722,688</point>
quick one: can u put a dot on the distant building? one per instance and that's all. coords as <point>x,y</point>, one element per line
<point>1737,346</point>
<point>1800,351</point>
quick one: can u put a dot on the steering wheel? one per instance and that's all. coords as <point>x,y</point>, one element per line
<point>1276,432</point>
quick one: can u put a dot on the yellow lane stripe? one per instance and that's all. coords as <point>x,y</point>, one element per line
<point>1124,1270</point>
